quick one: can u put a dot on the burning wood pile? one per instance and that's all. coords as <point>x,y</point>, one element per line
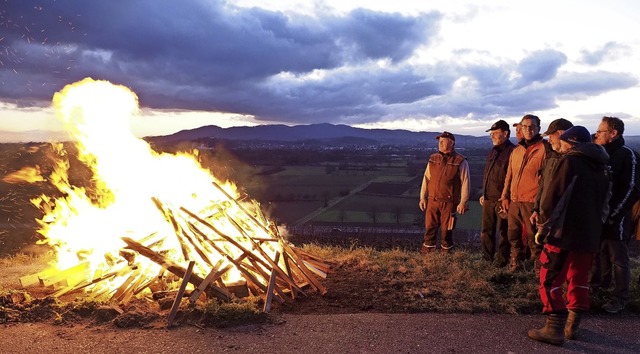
<point>156,224</point>
<point>270,267</point>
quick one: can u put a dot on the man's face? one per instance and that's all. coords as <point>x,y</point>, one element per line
<point>519,135</point>
<point>604,135</point>
<point>564,146</point>
<point>529,129</point>
<point>445,145</point>
<point>554,140</point>
<point>498,136</point>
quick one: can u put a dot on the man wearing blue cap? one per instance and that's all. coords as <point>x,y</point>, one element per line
<point>573,208</point>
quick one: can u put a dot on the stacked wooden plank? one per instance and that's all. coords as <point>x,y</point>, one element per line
<point>229,237</point>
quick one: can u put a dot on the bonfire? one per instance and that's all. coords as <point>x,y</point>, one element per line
<point>153,222</point>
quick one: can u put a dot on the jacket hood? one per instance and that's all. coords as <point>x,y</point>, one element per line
<point>591,151</point>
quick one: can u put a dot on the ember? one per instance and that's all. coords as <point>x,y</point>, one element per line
<point>154,219</point>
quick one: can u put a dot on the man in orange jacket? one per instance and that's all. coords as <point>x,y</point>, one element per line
<point>520,189</point>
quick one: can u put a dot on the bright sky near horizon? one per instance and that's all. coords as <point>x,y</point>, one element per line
<point>416,65</point>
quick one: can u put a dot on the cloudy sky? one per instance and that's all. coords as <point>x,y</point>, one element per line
<point>454,65</point>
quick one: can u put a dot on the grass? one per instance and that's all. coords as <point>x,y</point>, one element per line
<point>457,283</point>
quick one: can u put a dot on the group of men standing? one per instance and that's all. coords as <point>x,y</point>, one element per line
<point>560,205</point>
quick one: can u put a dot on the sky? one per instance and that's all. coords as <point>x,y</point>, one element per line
<point>416,65</point>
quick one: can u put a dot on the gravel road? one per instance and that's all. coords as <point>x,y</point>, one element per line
<point>345,333</point>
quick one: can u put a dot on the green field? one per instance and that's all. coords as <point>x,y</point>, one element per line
<point>298,191</point>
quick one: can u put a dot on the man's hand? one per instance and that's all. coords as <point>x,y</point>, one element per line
<point>482,200</point>
<point>423,204</point>
<point>539,237</point>
<point>505,204</point>
<point>462,208</point>
<point>533,219</point>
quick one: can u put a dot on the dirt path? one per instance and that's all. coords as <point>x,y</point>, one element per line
<point>340,333</point>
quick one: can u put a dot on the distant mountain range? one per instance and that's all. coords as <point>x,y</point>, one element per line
<point>325,132</point>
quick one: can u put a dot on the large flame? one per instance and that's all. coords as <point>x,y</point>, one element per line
<point>139,192</point>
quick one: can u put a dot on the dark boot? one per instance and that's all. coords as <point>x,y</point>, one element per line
<point>571,329</point>
<point>553,330</point>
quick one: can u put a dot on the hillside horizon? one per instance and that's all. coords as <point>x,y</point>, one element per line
<point>319,132</point>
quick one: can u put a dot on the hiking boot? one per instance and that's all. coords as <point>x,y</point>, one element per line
<point>614,306</point>
<point>571,329</point>
<point>553,330</point>
<point>447,250</point>
<point>427,249</point>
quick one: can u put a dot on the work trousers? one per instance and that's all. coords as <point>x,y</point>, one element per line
<point>558,266</point>
<point>612,263</point>
<point>518,218</point>
<point>492,225</point>
<point>437,215</point>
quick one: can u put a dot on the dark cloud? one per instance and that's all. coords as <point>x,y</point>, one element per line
<point>212,56</point>
<point>380,35</point>
<point>540,66</point>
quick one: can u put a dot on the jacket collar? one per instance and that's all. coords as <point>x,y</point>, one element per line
<point>614,145</point>
<point>527,143</point>
<point>503,146</point>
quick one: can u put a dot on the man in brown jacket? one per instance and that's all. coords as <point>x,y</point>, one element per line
<point>445,186</point>
<point>520,189</point>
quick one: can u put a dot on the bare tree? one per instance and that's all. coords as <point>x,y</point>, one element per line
<point>398,214</point>
<point>373,213</point>
<point>342,216</point>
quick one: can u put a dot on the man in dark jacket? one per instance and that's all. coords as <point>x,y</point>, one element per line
<point>573,207</point>
<point>616,233</point>
<point>552,156</point>
<point>493,216</point>
<point>553,133</point>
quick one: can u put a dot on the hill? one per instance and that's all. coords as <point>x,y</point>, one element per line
<point>325,132</point>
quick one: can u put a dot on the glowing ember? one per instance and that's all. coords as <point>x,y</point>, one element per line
<point>165,203</point>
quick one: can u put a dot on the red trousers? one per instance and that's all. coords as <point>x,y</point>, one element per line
<point>557,267</point>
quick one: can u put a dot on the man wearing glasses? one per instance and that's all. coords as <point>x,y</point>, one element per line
<point>520,189</point>
<point>612,262</point>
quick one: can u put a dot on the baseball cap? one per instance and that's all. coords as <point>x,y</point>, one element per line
<point>558,124</point>
<point>502,125</point>
<point>446,134</point>
<point>576,135</point>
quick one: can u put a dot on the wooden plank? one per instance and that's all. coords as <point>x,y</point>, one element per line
<point>272,283</point>
<point>134,289</point>
<point>229,239</point>
<point>210,278</point>
<point>178,299</point>
<point>306,254</point>
<point>60,276</point>
<point>122,289</point>
<point>34,279</point>
<point>315,270</point>
<point>115,271</point>
<point>167,264</point>
<point>300,264</point>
